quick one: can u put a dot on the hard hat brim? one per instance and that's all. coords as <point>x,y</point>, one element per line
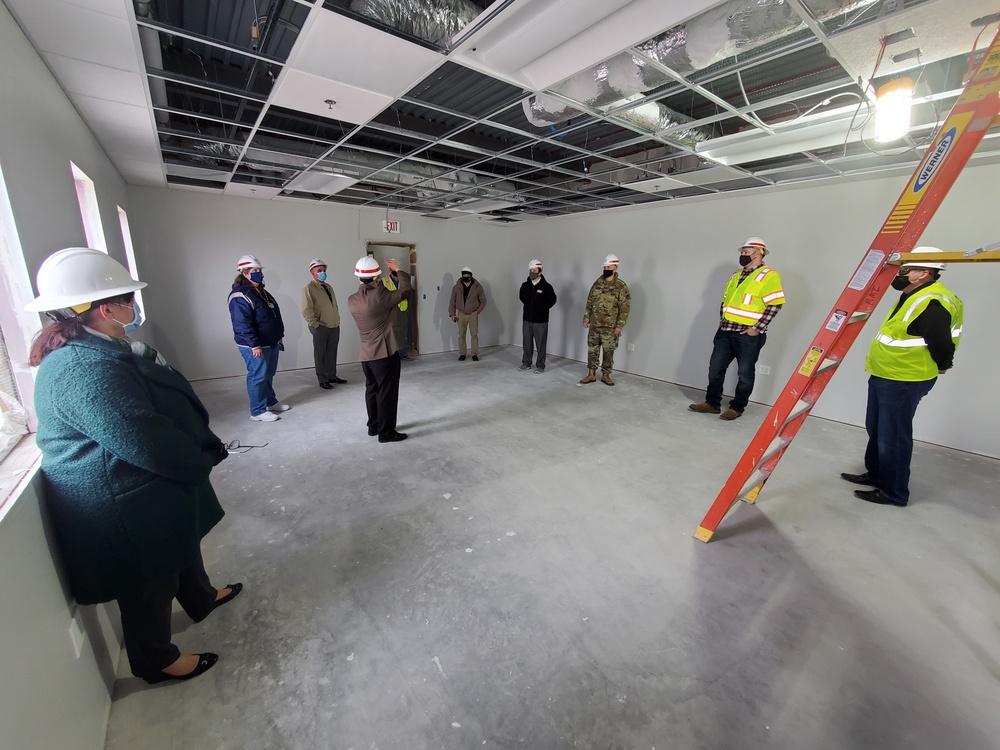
<point>43,303</point>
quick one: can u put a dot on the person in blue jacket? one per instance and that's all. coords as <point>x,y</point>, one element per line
<point>258,331</point>
<point>126,456</point>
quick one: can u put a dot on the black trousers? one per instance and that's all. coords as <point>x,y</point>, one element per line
<point>325,343</point>
<point>382,393</point>
<point>146,617</point>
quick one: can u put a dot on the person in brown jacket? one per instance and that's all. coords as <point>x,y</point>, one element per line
<point>468,299</point>
<point>319,308</point>
<point>371,307</point>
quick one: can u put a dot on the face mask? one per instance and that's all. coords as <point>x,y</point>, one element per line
<point>321,276</point>
<point>608,274</point>
<point>745,260</point>
<point>900,283</point>
<point>467,279</point>
<point>257,277</point>
<point>136,320</point>
<point>368,279</point>
<point>534,275</point>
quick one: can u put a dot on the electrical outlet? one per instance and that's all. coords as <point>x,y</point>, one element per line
<point>631,347</point>
<point>76,633</point>
<point>763,369</point>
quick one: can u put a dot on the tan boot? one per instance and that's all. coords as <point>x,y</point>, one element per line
<point>591,377</point>
<point>704,408</point>
<point>606,379</point>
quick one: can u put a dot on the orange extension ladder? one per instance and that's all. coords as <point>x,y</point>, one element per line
<point>953,145</point>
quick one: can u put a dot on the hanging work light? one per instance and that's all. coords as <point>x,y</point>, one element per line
<point>892,109</point>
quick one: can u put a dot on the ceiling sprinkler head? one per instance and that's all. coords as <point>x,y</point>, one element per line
<point>329,103</point>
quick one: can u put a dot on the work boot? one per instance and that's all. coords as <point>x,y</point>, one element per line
<point>704,408</point>
<point>730,414</point>
<point>606,379</point>
<point>591,377</point>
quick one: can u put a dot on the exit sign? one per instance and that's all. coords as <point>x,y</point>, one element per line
<point>392,227</point>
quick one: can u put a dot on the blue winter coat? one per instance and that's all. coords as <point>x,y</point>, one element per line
<point>256,317</point>
<point>125,465</point>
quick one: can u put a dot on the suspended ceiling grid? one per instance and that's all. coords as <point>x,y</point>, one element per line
<point>362,103</point>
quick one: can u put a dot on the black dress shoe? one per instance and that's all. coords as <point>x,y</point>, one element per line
<point>876,496</point>
<point>461,357</point>
<point>205,662</point>
<point>475,357</point>
<point>372,431</point>
<point>338,381</point>
<point>234,591</point>
<point>392,437</point>
<point>865,478</point>
<point>325,386</point>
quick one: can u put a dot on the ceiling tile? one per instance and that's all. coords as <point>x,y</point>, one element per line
<point>97,111</point>
<point>245,190</point>
<point>100,81</point>
<point>305,92</point>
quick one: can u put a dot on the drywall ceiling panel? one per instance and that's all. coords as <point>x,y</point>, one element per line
<point>304,92</point>
<point>337,47</point>
<point>79,77</point>
<point>73,31</point>
<point>939,33</point>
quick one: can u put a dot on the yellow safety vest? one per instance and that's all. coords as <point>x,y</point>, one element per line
<point>745,303</point>
<point>391,286</point>
<point>895,354</point>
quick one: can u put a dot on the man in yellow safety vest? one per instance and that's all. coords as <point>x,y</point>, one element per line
<point>915,344</point>
<point>752,299</point>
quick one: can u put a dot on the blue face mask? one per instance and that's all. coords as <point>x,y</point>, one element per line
<point>136,320</point>
<point>257,277</point>
<point>321,276</point>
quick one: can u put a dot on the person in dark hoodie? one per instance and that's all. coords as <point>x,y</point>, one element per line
<point>258,331</point>
<point>538,297</point>
<point>126,457</point>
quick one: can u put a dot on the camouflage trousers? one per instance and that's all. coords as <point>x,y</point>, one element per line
<point>598,338</point>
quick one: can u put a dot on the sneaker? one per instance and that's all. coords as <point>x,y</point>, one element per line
<point>522,368</point>
<point>539,370</point>
<point>278,407</point>
<point>264,417</point>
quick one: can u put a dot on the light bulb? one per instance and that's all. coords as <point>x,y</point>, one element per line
<point>893,101</point>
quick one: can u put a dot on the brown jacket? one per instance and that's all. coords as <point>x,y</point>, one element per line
<point>371,307</point>
<point>317,308</point>
<point>474,303</point>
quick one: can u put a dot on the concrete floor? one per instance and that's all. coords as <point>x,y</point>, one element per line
<point>521,573</point>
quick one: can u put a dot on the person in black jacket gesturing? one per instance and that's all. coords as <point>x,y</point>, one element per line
<point>258,332</point>
<point>538,297</point>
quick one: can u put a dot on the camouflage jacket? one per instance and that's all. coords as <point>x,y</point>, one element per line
<point>608,303</point>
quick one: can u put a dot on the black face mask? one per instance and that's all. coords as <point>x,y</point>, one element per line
<point>608,274</point>
<point>900,283</point>
<point>745,260</point>
<point>467,279</point>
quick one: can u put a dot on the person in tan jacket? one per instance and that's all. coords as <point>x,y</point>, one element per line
<point>468,299</point>
<point>371,307</point>
<point>319,308</point>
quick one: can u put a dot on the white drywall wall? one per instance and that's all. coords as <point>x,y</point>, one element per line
<point>188,243</point>
<point>676,259</point>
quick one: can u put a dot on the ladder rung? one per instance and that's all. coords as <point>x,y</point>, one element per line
<point>776,445</point>
<point>800,408</point>
<point>858,316</point>
<point>825,365</point>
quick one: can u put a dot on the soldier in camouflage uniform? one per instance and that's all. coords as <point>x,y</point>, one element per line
<point>604,317</point>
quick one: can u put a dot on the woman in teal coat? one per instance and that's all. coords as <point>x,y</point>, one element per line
<point>126,457</point>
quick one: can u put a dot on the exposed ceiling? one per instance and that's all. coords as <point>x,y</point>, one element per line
<point>513,109</point>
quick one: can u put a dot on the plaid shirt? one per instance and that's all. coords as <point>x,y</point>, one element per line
<point>765,319</point>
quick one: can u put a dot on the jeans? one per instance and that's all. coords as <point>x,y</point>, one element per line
<point>534,334</point>
<point>745,349</point>
<point>889,421</point>
<point>260,375</point>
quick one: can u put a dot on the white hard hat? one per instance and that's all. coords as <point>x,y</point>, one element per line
<point>366,267</point>
<point>611,260</point>
<point>534,264</point>
<point>756,242</point>
<point>466,270</point>
<point>921,264</point>
<point>248,261</point>
<point>316,262</point>
<point>77,276</point>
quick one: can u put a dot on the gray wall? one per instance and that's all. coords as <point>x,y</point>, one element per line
<point>676,260</point>
<point>188,243</point>
<point>53,699</point>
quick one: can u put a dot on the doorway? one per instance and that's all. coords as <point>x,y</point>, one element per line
<point>406,254</point>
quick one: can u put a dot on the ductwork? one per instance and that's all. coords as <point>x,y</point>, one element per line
<point>736,27</point>
<point>435,21</point>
